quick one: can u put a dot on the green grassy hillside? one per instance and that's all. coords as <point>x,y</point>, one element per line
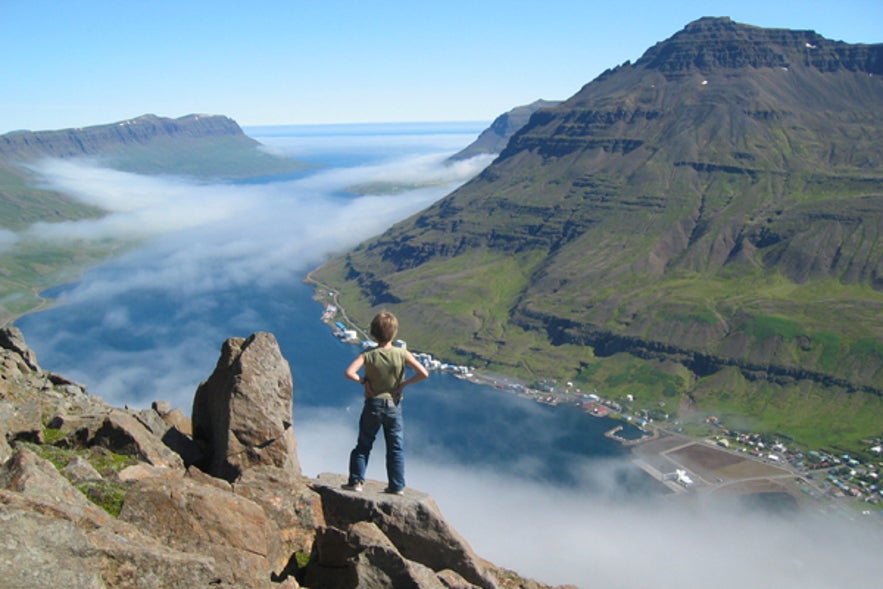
<point>702,230</point>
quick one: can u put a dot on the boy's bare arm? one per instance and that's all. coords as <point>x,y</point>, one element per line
<point>352,371</point>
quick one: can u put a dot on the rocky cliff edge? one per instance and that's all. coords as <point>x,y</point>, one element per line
<point>102,497</point>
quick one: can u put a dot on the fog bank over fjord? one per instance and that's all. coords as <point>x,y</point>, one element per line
<point>593,536</point>
<point>199,242</point>
<point>148,325</point>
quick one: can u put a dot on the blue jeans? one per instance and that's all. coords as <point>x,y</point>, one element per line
<point>379,413</point>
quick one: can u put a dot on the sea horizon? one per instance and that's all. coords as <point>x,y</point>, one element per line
<point>367,128</point>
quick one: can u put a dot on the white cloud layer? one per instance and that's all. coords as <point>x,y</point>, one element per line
<point>568,536</point>
<point>201,242</point>
<point>146,206</point>
<point>251,231</point>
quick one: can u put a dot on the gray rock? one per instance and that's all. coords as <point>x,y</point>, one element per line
<point>242,414</point>
<point>184,446</point>
<point>176,418</point>
<point>141,471</point>
<point>202,519</point>
<point>21,421</point>
<point>173,437</point>
<point>45,548</point>
<point>161,407</point>
<point>363,557</point>
<point>124,434</point>
<point>452,580</point>
<point>37,478</point>
<point>152,420</point>
<point>44,551</point>
<point>12,339</point>
<point>292,506</point>
<point>204,478</point>
<point>5,451</point>
<point>173,417</point>
<point>80,427</point>
<point>79,470</point>
<point>412,522</point>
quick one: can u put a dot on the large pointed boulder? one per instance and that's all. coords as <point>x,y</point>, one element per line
<point>242,415</point>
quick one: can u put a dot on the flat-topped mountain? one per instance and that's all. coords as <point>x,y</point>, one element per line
<point>116,137</point>
<point>208,146</point>
<point>698,229</point>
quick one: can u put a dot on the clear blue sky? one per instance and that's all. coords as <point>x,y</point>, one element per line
<point>85,62</point>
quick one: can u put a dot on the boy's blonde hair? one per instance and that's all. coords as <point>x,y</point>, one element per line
<point>384,327</point>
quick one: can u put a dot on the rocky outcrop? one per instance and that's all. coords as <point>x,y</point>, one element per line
<point>55,537</point>
<point>190,516</point>
<point>242,414</point>
<point>719,43</point>
<point>412,529</point>
<point>97,496</point>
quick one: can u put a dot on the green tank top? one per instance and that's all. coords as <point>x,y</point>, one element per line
<point>385,370</point>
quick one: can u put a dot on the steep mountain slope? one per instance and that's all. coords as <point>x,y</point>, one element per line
<point>711,213</point>
<point>495,138</point>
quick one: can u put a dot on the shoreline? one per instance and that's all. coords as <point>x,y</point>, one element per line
<point>589,403</point>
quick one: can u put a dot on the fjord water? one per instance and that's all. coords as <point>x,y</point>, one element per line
<point>133,342</point>
<point>149,324</point>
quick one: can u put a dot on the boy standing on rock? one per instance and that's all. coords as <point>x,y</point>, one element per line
<point>384,383</point>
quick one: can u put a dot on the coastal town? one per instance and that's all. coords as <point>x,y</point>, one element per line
<point>727,461</point>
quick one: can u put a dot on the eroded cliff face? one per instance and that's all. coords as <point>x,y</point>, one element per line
<point>122,503</point>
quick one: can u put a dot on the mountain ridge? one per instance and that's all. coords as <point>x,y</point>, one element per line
<point>700,200</point>
<point>111,137</point>
<point>750,46</point>
<point>199,145</point>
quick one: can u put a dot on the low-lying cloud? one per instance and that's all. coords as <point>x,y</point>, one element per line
<point>253,231</point>
<point>566,535</point>
<point>204,246</point>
